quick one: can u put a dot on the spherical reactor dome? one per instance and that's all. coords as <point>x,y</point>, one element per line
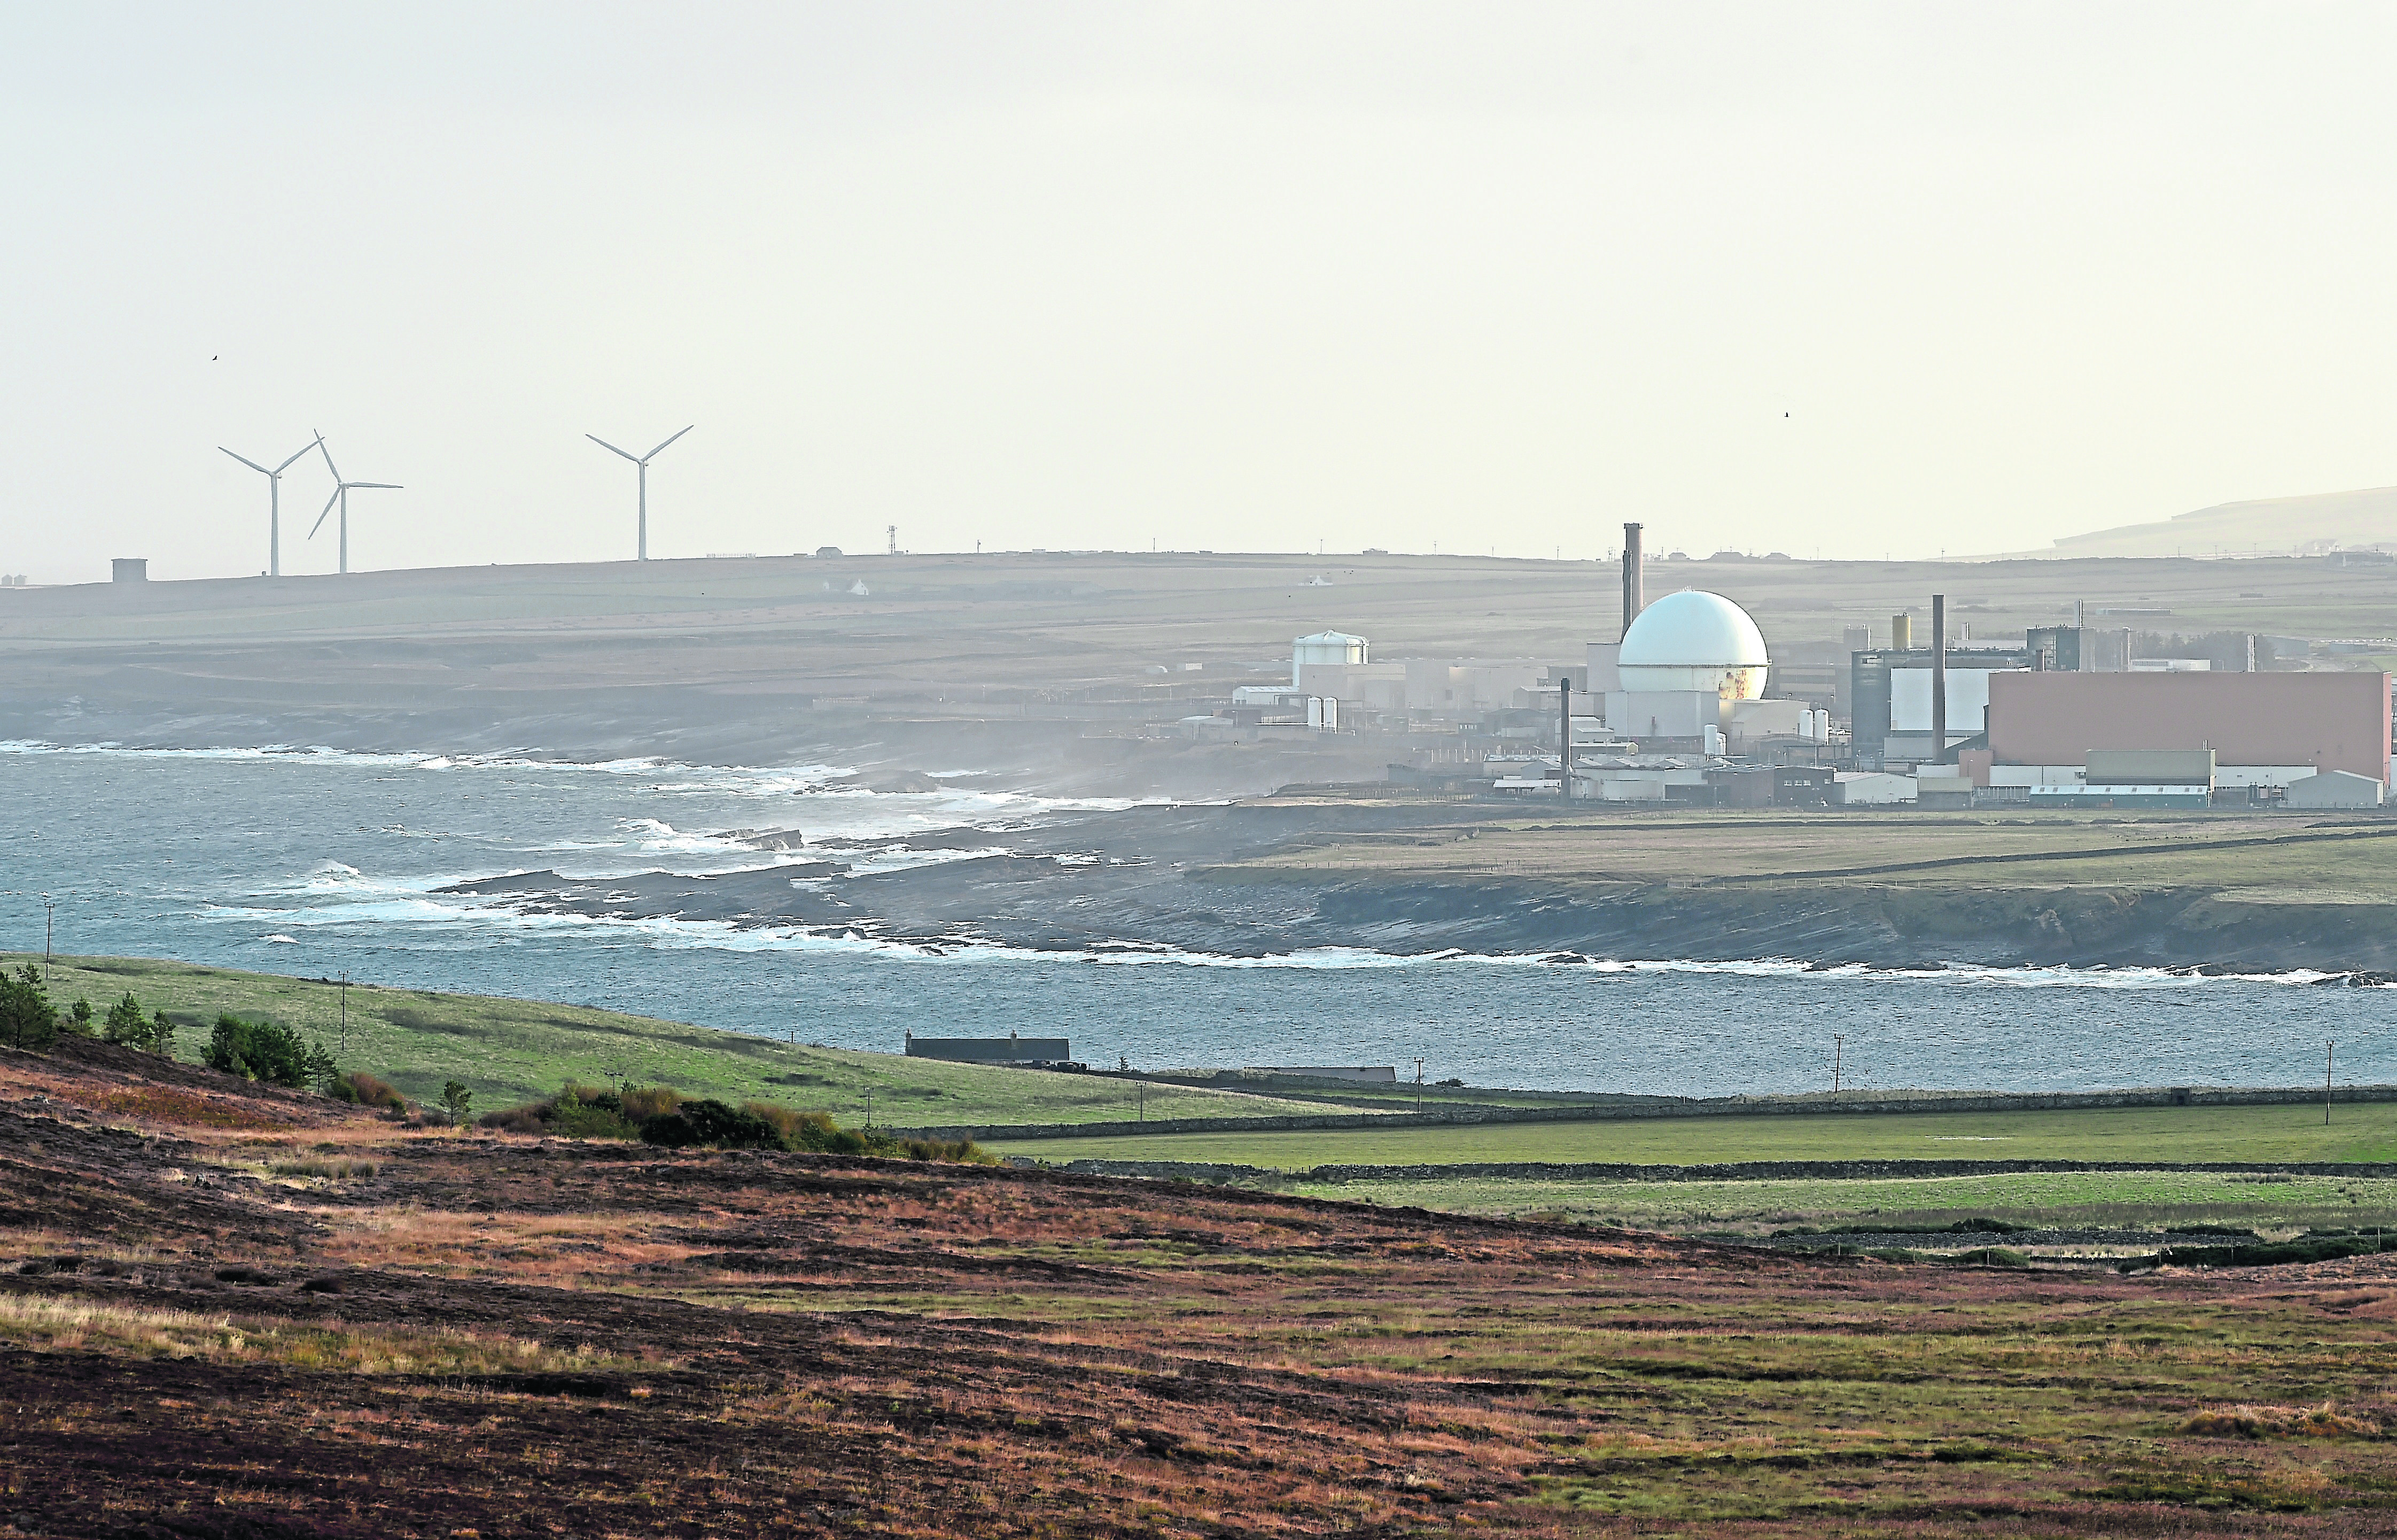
<point>1695,641</point>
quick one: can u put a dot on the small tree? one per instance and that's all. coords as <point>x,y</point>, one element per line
<point>27,1019</point>
<point>458,1100</point>
<point>77,1020</point>
<point>126,1022</point>
<point>161,1039</point>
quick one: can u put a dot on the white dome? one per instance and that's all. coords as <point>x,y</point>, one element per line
<point>1695,641</point>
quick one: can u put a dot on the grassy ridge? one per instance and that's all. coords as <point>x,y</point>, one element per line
<point>511,1050</point>
<point>2358,1132</point>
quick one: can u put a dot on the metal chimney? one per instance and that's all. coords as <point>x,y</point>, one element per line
<point>1633,595</point>
<point>1938,678</point>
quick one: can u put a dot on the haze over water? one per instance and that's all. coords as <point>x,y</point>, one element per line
<point>317,863</point>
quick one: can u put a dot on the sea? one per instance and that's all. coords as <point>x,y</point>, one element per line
<point>317,863</point>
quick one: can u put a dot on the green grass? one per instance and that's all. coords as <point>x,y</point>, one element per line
<point>511,1050</point>
<point>2061,1199</point>
<point>2359,1132</point>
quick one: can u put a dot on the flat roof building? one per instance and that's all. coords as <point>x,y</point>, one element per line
<point>2331,721</point>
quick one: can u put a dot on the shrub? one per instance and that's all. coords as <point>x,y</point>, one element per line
<point>367,1092</point>
<point>576,1112</point>
<point>711,1122</point>
<point>641,1103</point>
<point>28,1021</point>
<point>266,1051</point>
<point>965,1151</point>
<point>523,1120</point>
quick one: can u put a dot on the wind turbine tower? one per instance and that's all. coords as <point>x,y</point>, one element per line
<point>274,503</point>
<point>643,462</point>
<point>341,490</point>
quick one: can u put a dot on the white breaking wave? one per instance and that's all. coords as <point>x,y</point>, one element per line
<point>372,905</point>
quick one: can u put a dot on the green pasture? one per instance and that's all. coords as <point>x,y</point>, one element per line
<point>2358,1132</point>
<point>511,1050</point>
<point>2061,1199</point>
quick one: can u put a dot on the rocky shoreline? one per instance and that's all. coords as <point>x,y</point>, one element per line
<point>1172,878</point>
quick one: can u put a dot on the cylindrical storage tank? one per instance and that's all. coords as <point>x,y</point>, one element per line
<point>1325,646</point>
<point>1695,640</point>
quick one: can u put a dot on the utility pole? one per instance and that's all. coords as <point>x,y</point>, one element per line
<point>345,1011</point>
<point>869,1106</point>
<point>1419,1063</point>
<point>1838,1053</point>
<point>2326,1056</point>
<point>49,924</point>
<point>1141,1100</point>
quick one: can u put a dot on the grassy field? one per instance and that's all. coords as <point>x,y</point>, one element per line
<point>2317,857</point>
<point>509,1050</point>
<point>2058,1199</point>
<point>2359,1132</point>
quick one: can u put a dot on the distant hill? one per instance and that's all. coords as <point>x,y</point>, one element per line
<point>2270,526</point>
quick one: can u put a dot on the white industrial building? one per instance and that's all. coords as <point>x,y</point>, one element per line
<point>1325,646</point>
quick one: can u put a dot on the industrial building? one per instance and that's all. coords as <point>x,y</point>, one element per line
<point>1689,706</point>
<point>2295,725</point>
<point>1013,1049</point>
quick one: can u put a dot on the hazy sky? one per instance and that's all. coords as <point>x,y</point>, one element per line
<point>1846,278</point>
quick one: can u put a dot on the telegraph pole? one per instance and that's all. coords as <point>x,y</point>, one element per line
<point>1838,1053</point>
<point>50,921</point>
<point>1419,1063</point>
<point>345,1011</point>
<point>2326,1058</point>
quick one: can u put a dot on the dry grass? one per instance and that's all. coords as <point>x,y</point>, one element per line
<point>65,1325</point>
<point>177,1108</point>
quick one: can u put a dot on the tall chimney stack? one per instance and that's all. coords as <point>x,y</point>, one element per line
<point>1938,678</point>
<point>1633,595</point>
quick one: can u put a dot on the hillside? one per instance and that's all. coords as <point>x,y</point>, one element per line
<point>2268,527</point>
<point>1045,672</point>
<point>510,1050</point>
<point>232,1313</point>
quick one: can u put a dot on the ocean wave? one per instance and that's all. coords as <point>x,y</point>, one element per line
<point>362,903</point>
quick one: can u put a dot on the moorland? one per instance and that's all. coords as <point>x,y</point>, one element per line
<point>237,1310</point>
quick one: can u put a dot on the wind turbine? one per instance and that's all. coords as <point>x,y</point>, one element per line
<point>274,503</point>
<point>643,462</point>
<point>342,495</point>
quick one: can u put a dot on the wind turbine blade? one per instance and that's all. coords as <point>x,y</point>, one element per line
<point>296,459</point>
<point>386,486</point>
<point>252,463</point>
<point>605,444</point>
<point>654,453</point>
<point>321,517</point>
<point>328,458</point>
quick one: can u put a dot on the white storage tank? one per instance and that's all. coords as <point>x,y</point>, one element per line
<point>1326,647</point>
<point>1695,641</point>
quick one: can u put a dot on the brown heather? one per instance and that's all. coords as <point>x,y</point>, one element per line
<point>496,1334</point>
